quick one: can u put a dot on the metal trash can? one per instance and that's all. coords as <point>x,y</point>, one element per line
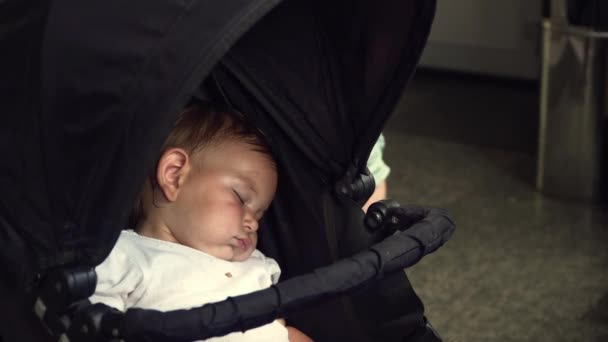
<point>573,104</point>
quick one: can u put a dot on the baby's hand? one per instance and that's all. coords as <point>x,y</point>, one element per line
<point>294,334</point>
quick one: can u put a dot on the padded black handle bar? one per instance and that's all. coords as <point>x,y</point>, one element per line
<point>421,230</point>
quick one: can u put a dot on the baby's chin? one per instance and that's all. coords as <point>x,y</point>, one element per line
<point>241,255</point>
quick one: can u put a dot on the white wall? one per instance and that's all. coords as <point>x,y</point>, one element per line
<point>496,37</point>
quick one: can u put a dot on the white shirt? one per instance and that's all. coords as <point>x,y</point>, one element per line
<point>147,273</point>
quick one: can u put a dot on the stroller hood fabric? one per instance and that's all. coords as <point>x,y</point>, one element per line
<point>93,89</point>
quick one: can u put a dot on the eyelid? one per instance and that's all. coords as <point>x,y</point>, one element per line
<point>238,195</point>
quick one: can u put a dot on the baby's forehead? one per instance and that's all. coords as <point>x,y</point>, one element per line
<point>244,144</point>
<point>234,150</point>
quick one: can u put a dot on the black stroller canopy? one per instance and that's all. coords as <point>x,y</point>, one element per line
<point>93,89</point>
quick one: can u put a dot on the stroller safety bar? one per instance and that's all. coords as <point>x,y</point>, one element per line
<point>419,231</point>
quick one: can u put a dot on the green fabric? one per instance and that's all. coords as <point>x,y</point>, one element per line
<point>376,164</point>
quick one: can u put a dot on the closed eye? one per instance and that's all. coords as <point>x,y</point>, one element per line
<point>240,198</point>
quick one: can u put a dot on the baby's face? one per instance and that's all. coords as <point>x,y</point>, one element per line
<point>223,198</point>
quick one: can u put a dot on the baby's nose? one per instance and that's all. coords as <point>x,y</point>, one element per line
<point>253,226</point>
<point>251,223</point>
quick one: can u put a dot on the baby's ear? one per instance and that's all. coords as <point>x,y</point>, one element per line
<point>171,172</point>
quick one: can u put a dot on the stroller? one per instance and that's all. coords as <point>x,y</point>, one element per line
<point>87,92</point>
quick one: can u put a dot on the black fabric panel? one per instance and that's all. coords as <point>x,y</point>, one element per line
<point>18,320</point>
<point>24,225</point>
<point>25,231</point>
<point>377,46</point>
<point>285,63</point>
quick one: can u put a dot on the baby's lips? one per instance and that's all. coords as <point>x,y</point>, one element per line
<point>243,243</point>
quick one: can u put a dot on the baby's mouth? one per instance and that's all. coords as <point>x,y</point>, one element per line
<point>243,243</point>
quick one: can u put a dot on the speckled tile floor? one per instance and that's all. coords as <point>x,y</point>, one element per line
<point>521,266</point>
